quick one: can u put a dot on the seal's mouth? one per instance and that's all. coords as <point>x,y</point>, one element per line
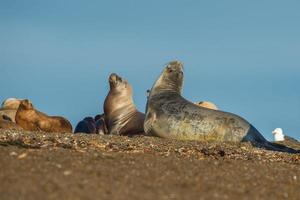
<point>114,78</point>
<point>175,67</point>
<point>26,104</point>
<point>116,81</point>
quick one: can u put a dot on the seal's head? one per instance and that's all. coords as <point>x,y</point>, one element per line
<point>89,119</point>
<point>118,84</point>
<point>171,79</point>
<point>278,134</point>
<point>207,104</point>
<point>26,105</point>
<point>11,103</point>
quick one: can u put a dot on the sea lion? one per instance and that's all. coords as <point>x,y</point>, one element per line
<point>9,108</point>
<point>100,124</point>
<point>121,115</point>
<point>33,120</point>
<point>207,104</point>
<point>169,115</point>
<point>87,125</point>
<point>7,123</point>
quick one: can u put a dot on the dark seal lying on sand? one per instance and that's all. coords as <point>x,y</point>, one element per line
<point>169,115</point>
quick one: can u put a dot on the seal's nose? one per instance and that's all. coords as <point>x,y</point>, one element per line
<point>113,77</point>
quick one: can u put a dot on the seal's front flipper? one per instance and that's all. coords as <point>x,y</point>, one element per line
<point>281,148</point>
<point>148,123</point>
<point>114,131</point>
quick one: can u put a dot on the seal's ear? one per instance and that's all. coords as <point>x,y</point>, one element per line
<point>148,93</point>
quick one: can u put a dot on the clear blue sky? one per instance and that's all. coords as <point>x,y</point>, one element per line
<point>242,55</point>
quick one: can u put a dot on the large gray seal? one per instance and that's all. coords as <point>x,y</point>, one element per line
<point>121,115</point>
<point>169,115</point>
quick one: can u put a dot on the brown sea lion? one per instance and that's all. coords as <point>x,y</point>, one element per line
<point>9,108</point>
<point>207,104</point>
<point>121,115</point>
<point>169,115</point>
<point>33,120</point>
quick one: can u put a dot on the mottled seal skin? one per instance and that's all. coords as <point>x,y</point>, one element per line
<point>121,115</point>
<point>87,125</point>
<point>169,115</point>
<point>207,104</point>
<point>100,124</point>
<point>33,120</point>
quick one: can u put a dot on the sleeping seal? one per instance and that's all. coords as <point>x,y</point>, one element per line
<point>31,119</point>
<point>169,115</point>
<point>87,125</point>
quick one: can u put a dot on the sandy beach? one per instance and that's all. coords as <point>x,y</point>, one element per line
<point>67,166</point>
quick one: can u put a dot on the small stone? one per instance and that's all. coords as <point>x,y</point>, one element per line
<point>23,155</point>
<point>295,177</point>
<point>67,173</point>
<point>13,153</point>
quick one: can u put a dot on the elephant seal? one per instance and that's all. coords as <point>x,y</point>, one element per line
<point>87,125</point>
<point>100,124</point>
<point>207,104</point>
<point>9,108</point>
<point>31,119</point>
<point>169,115</point>
<point>121,115</point>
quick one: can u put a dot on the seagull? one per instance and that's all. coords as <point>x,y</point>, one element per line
<point>279,136</point>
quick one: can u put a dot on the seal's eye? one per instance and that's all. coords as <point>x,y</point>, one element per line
<point>170,70</point>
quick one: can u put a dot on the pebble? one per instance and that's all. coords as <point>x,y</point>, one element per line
<point>23,155</point>
<point>67,172</point>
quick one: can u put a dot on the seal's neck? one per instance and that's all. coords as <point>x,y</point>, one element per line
<point>164,85</point>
